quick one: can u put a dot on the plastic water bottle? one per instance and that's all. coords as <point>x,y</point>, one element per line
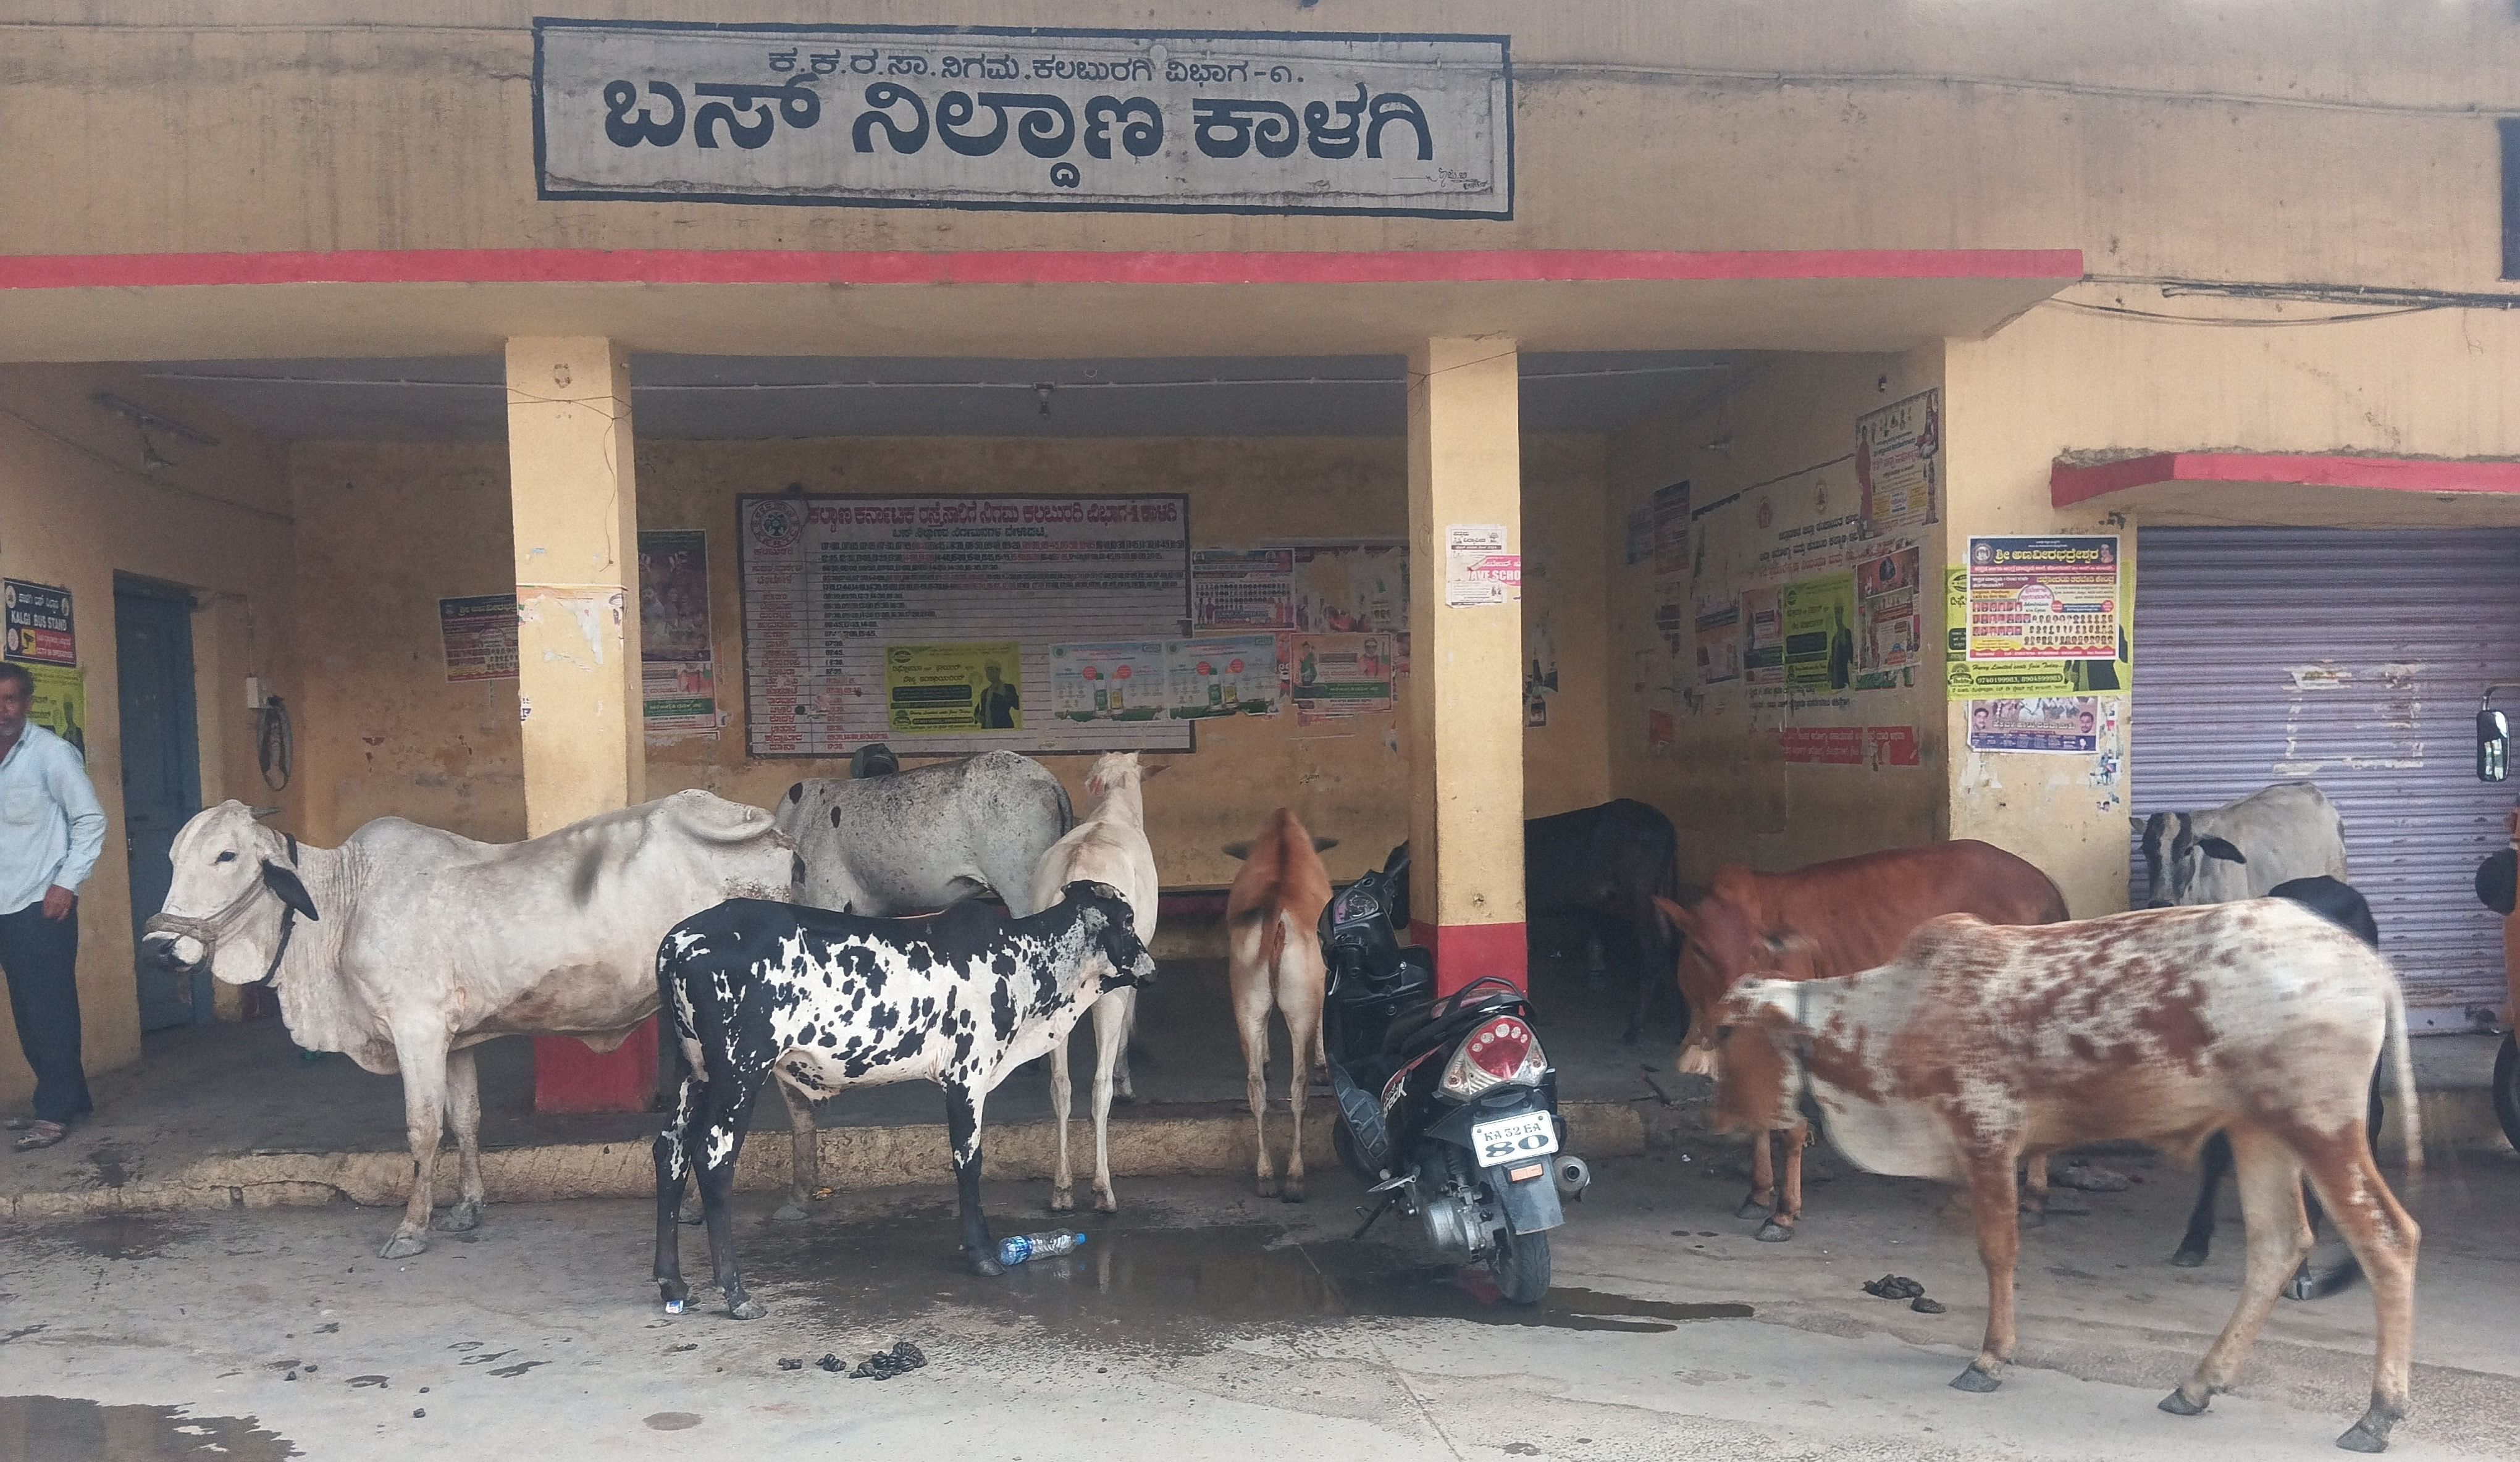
<point>1023,1246</point>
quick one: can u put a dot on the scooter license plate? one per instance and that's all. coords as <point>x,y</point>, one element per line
<point>1532,1134</point>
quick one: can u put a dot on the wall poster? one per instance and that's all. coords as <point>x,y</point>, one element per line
<point>867,618</point>
<point>677,655</point>
<point>986,116</point>
<point>2057,724</point>
<point>2044,598</point>
<point>1968,680</point>
<point>1479,567</point>
<point>60,703</point>
<point>1243,588</point>
<point>1819,621</point>
<point>1763,638</point>
<point>1891,631</point>
<point>1718,638</point>
<point>477,634</point>
<point>1898,454</point>
<point>1222,675</point>
<point>1351,587</point>
<point>1338,675</point>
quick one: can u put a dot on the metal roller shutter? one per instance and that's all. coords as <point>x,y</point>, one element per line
<point>2352,658</point>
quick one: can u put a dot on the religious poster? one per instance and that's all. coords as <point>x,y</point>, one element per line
<point>39,628</point>
<point>1897,456</point>
<point>954,689</point>
<point>1890,628</point>
<point>478,635</point>
<point>1243,588</point>
<point>2044,598</point>
<point>678,657</point>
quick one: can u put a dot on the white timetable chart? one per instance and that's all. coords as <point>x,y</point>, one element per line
<point>882,619</point>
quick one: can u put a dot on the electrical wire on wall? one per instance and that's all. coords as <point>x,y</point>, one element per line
<point>274,743</point>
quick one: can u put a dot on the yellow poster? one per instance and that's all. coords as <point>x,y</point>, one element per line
<point>1987,680</point>
<point>1818,616</point>
<point>953,689</point>
<point>61,703</point>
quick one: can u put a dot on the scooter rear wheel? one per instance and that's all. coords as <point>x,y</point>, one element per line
<point>1520,1264</point>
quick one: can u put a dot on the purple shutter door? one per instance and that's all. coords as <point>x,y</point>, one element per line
<point>2352,658</point>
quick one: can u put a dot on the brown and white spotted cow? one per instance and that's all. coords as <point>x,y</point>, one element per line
<point>1982,1045</point>
<point>1838,917</point>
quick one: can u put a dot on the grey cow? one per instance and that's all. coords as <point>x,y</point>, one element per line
<point>406,947</point>
<point>890,844</point>
<point>2245,849</point>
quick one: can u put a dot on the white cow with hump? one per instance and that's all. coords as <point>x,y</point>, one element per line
<point>2243,849</point>
<point>406,947</point>
<point>1110,846</point>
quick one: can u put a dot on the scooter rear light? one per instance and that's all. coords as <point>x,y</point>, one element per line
<point>1501,1052</point>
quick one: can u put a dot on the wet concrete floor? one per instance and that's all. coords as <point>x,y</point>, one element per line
<point>53,1429</point>
<point>1157,1279</point>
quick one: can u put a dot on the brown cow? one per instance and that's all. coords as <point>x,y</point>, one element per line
<point>1978,1047</point>
<point>1272,919</point>
<point>1837,918</point>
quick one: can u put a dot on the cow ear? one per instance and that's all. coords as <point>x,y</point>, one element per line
<point>1676,916</point>
<point>1238,851</point>
<point>2137,823</point>
<point>2217,848</point>
<point>285,883</point>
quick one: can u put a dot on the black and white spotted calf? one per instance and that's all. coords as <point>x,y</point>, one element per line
<point>829,1001</point>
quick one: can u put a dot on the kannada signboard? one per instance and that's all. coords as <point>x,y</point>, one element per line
<point>41,630</point>
<point>981,116</point>
<point>2044,598</point>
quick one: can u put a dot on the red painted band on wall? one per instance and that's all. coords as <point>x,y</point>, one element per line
<point>1464,952</point>
<point>795,267</point>
<point>2071,483</point>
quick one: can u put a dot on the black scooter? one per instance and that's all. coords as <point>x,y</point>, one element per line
<point>1447,1107</point>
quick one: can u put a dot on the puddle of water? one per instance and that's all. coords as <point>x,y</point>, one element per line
<point>59,1429</point>
<point>672,1421</point>
<point>1141,1285</point>
<point>113,1236</point>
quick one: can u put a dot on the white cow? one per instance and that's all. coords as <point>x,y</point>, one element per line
<point>1110,846</point>
<point>2245,849</point>
<point>406,947</point>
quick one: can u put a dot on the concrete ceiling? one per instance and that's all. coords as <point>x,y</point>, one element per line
<point>718,397</point>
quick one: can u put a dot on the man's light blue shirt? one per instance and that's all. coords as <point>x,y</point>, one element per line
<point>50,827</point>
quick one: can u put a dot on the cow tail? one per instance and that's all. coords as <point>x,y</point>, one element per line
<point>1273,945</point>
<point>1067,809</point>
<point>2405,1067</point>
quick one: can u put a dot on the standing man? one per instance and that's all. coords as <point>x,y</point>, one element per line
<point>1000,705</point>
<point>51,830</point>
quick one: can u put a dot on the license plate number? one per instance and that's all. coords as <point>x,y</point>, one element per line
<point>1532,1134</point>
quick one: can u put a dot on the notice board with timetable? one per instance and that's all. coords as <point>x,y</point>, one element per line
<point>928,621</point>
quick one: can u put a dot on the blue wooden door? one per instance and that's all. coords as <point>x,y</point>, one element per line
<point>162,775</point>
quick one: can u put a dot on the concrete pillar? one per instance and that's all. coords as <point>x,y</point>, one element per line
<point>1465,665</point>
<point>573,497</point>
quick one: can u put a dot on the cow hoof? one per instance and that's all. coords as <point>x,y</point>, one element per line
<point>746,1308</point>
<point>1751,1210</point>
<point>2177,1405</point>
<point>1062,1200</point>
<point>2189,1259</point>
<point>461,1218</point>
<point>2034,1217</point>
<point>403,1246</point>
<point>1292,1191</point>
<point>2360,1437</point>
<point>1268,1187</point>
<point>790,1212</point>
<point>1974,1379</point>
<point>985,1266</point>
<point>2302,1286</point>
<point>1773,1232</point>
<point>674,1293</point>
<point>1107,1202</point>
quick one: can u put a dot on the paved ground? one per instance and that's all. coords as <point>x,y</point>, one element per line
<point>1203,1321</point>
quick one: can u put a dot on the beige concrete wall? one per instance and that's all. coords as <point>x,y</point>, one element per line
<point>77,507</point>
<point>1778,448</point>
<point>2431,383</point>
<point>390,528</point>
<point>2315,140</point>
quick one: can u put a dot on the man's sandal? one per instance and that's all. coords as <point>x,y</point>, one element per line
<point>41,1135</point>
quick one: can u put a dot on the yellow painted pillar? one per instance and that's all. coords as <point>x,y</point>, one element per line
<point>1465,658</point>
<point>573,497</point>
